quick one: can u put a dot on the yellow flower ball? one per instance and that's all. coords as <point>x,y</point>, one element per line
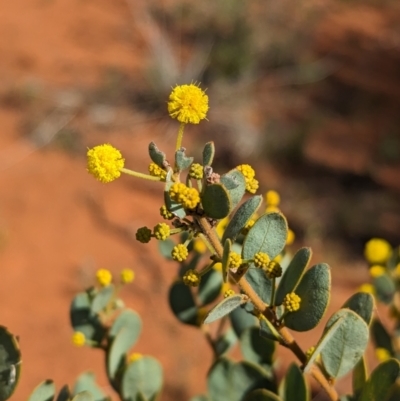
<point>78,339</point>
<point>188,104</point>
<point>382,354</point>
<point>376,271</point>
<point>368,288</point>
<point>105,162</point>
<point>135,356</point>
<point>290,237</point>
<point>377,251</point>
<point>127,276</point>
<point>104,277</point>
<point>272,198</point>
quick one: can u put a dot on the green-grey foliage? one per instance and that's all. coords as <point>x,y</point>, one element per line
<point>156,155</point>
<point>208,153</point>
<point>225,307</point>
<point>294,386</point>
<point>182,303</point>
<point>182,162</point>
<point>87,382</point>
<point>45,391</point>
<point>216,201</point>
<point>235,184</point>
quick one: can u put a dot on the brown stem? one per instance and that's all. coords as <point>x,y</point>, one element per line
<point>245,286</point>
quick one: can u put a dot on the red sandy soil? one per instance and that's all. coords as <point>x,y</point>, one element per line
<point>53,239</point>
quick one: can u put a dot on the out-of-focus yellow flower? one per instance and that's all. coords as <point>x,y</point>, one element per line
<point>368,288</point>
<point>272,198</point>
<point>382,354</point>
<point>135,356</point>
<point>127,276</point>
<point>377,251</point>
<point>104,277</point>
<point>376,271</point>
<point>290,237</point>
<point>78,339</point>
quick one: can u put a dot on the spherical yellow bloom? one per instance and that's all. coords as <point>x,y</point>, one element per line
<point>376,271</point>
<point>377,251</point>
<point>104,162</point>
<point>382,354</point>
<point>291,302</point>
<point>235,260</point>
<point>179,253</point>
<point>189,198</point>
<point>218,267</point>
<point>127,276</point>
<point>271,209</point>
<point>104,277</point>
<point>192,198</point>
<point>247,171</point>
<point>252,186</point>
<point>368,288</point>
<point>156,171</point>
<point>397,270</point>
<point>199,246</point>
<point>188,104</point>
<point>191,278</point>
<point>143,235</point>
<point>261,260</point>
<point>221,226</point>
<point>78,339</point>
<point>164,212</point>
<point>272,198</point>
<point>162,231</point>
<point>196,171</point>
<point>290,237</point>
<point>273,270</point>
<point>229,293</point>
<point>135,356</point>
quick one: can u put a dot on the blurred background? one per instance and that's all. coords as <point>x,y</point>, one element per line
<point>307,92</point>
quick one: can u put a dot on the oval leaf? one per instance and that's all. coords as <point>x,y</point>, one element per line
<point>293,274</point>
<point>347,345</point>
<point>363,304</point>
<point>210,287</point>
<point>241,217</point>
<point>182,303</point>
<point>294,386</point>
<point>235,184</point>
<point>262,395</point>
<point>314,291</point>
<point>208,153</point>
<point>45,391</point>
<point>216,201</point>
<point>87,382</point>
<point>261,284</point>
<point>225,307</point>
<point>267,235</point>
<point>129,320</point>
<point>83,396</point>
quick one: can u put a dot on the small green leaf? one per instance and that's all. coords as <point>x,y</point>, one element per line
<point>65,394</point>
<point>143,376</point>
<point>156,155</point>
<point>314,291</point>
<point>359,376</point>
<point>241,320</point>
<point>381,337</point>
<point>165,247</point>
<point>347,345</point>
<point>233,381</point>
<point>83,396</point>
<point>225,307</point>
<point>257,349</point>
<point>10,363</point>
<point>294,386</point>
<point>378,386</point>
<point>129,320</point>
<point>225,342</point>
<point>293,274</point>
<point>216,201</point>
<point>263,395</point>
<point>102,299</point>
<point>384,287</point>
<point>261,284</point>
<point>208,153</point>
<point>182,303</point>
<point>210,287</point>
<point>268,235</point>
<point>87,382</point>
<point>225,259</point>
<point>45,391</point>
<point>182,162</point>
<point>235,184</point>
<point>363,304</point>
<point>268,330</point>
<point>242,216</point>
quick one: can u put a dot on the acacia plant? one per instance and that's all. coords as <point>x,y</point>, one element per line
<point>237,281</point>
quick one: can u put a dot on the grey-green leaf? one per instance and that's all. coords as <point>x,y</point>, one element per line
<point>359,376</point>
<point>87,382</point>
<point>267,235</point>
<point>182,162</point>
<point>45,391</point>
<point>225,259</point>
<point>216,201</point>
<point>129,320</point>
<point>210,287</point>
<point>208,153</point>
<point>378,386</point>
<point>381,337</point>
<point>263,395</point>
<point>363,304</point>
<point>143,376</point>
<point>241,217</point>
<point>261,284</point>
<point>83,396</point>
<point>314,291</point>
<point>182,303</point>
<point>102,299</point>
<point>268,330</point>
<point>347,345</point>
<point>294,386</point>
<point>156,155</point>
<point>235,184</point>
<point>241,320</point>
<point>293,274</point>
<point>225,307</point>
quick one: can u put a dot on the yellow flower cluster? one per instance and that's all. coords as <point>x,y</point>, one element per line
<point>191,278</point>
<point>291,302</point>
<point>189,198</point>
<point>188,104</point>
<point>273,270</point>
<point>196,171</point>
<point>135,356</point>
<point>165,213</point>
<point>245,230</point>
<point>261,260</point>
<point>376,271</point>
<point>249,174</point>
<point>156,171</point>
<point>229,293</point>
<point>199,246</point>
<point>161,231</point>
<point>290,237</point>
<point>272,200</point>
<point>377,251</point>
<point>382,354</point>
<point>78,339</point>
<point>235,260</point>
<point>221,226</point>
<point>179,253</point>
<point>143,235</point>
<point>368,288</point>
<point>104,277</point>
<point>127,276</point>
<point>105,162</point>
